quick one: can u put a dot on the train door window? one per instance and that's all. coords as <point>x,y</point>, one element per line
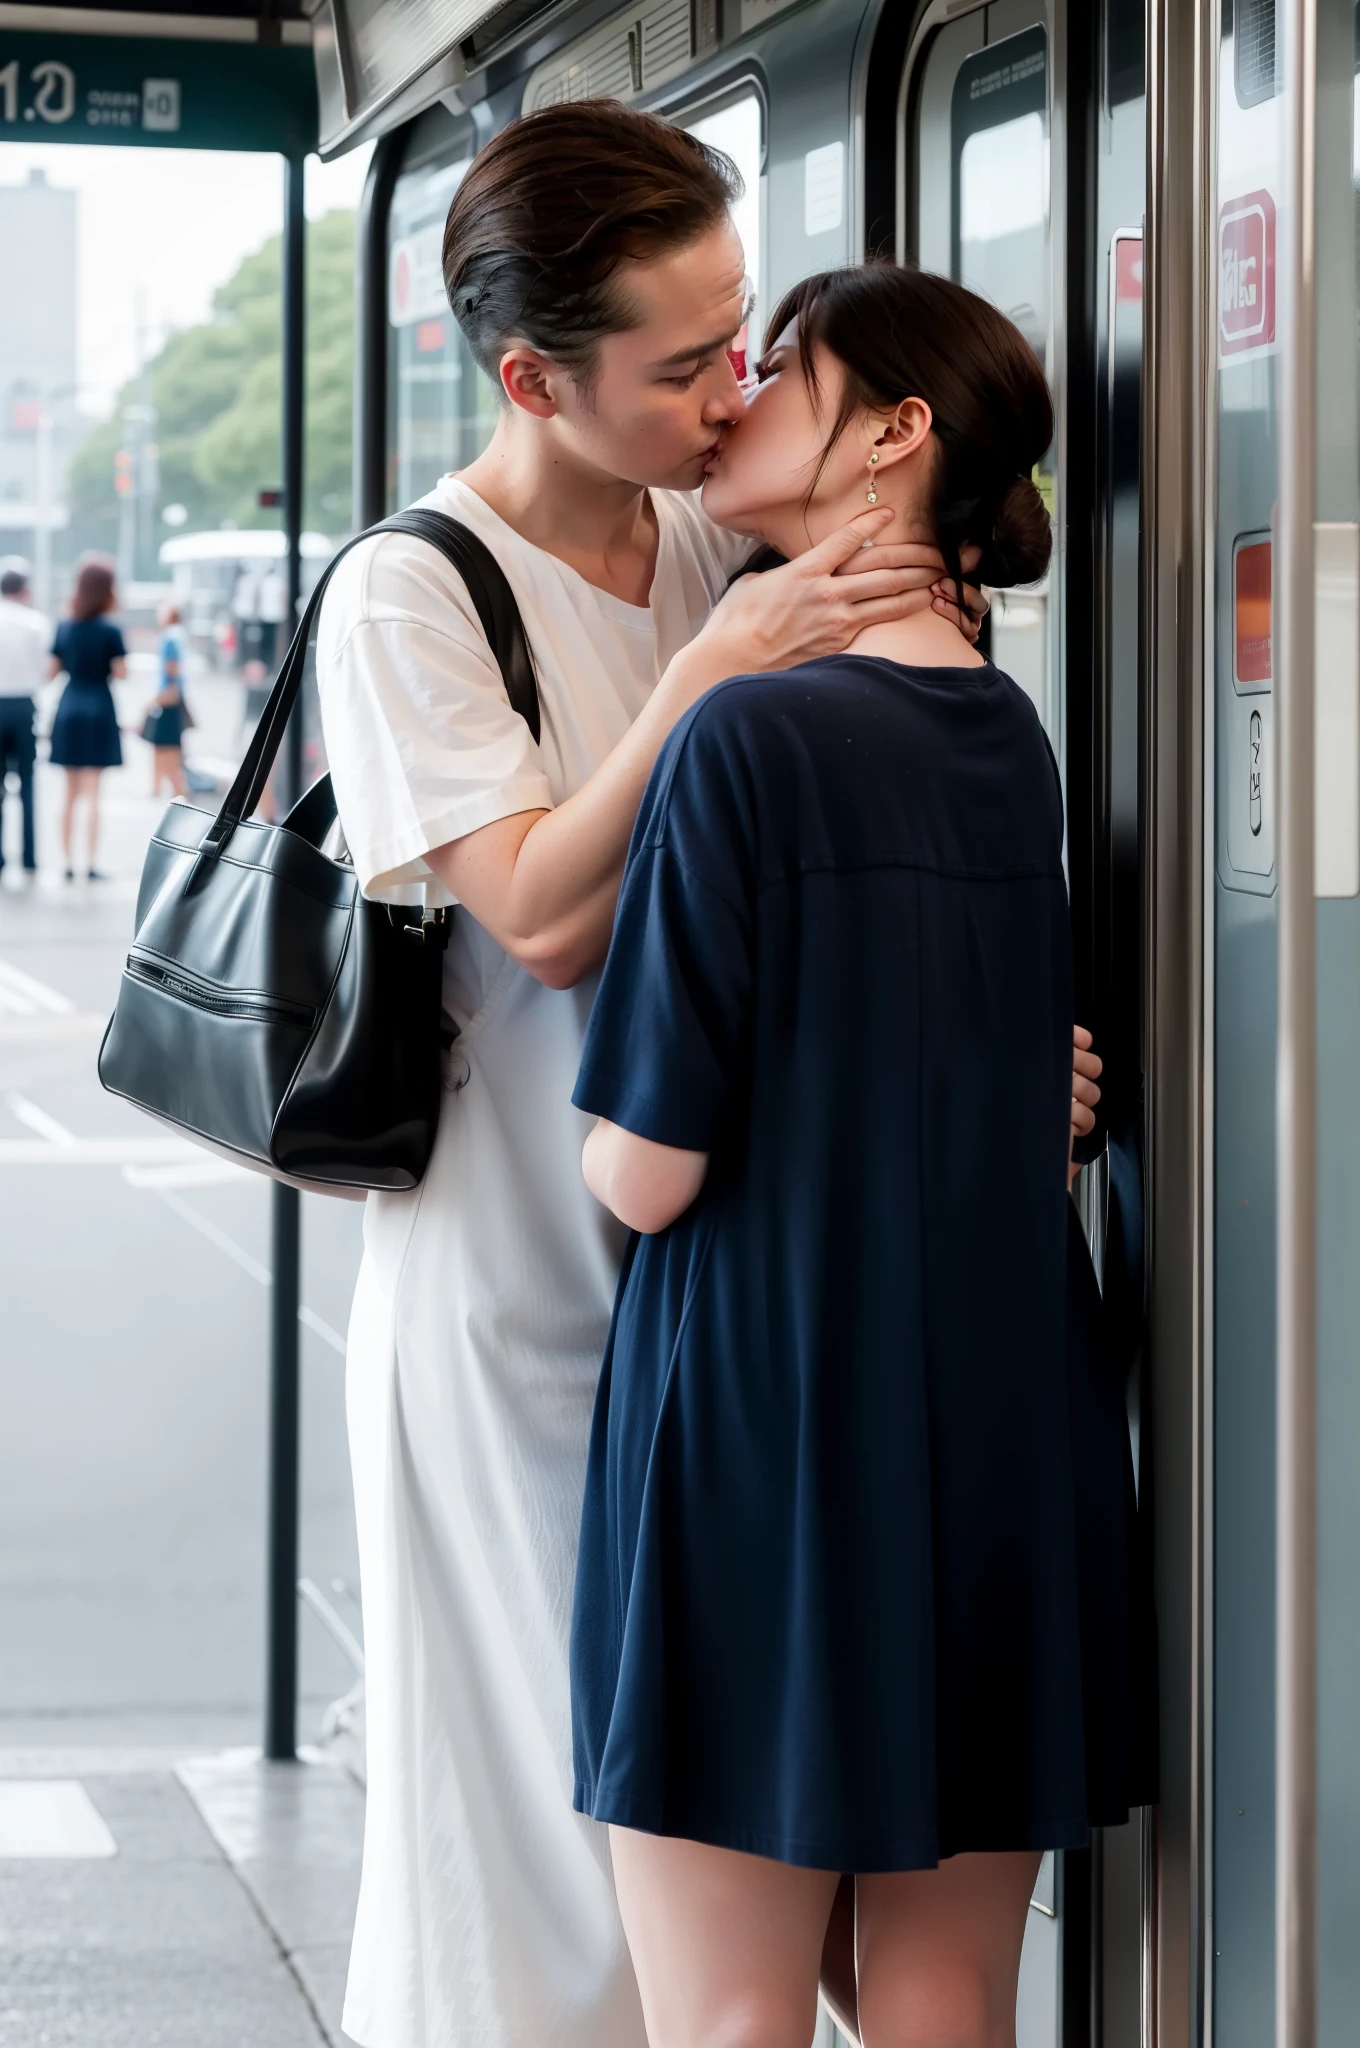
<point>737,127</point>
<point>441,409</point>
<point>981,159</point>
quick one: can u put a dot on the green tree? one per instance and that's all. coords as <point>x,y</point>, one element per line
<point>217,393</point>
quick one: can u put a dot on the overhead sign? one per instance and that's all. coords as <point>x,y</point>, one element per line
<point>1246,274</point>
<point>121,89</point>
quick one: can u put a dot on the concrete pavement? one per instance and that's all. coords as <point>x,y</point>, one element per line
<point>153,1889</point>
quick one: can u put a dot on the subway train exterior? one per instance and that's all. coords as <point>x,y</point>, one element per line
<point>1121,183</point>
<point>1164,197</point>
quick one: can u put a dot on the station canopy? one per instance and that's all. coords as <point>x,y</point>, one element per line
<point>380,61</point>
<point>171,74</point>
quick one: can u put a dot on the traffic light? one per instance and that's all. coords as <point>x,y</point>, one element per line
<point>122,472</point>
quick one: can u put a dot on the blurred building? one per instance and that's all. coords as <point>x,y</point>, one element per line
<point>39,427</point>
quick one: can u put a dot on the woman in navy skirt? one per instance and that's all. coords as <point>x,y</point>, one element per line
<point>89,648</point>
<point>855,1597</point>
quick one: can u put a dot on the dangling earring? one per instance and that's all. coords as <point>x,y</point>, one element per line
<point>872,493</point>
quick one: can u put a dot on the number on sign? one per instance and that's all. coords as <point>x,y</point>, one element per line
<point>56,85</point>
<point>9,88</point>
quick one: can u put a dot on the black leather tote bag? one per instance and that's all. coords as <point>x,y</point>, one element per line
<point>268,1008</point>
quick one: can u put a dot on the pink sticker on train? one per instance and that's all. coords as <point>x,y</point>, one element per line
<point>1246,273</point>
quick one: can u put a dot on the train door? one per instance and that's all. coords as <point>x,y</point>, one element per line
<point>1262,406</point>
<point>1020,155</point>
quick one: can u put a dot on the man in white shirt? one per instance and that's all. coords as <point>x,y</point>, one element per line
<point>25,641</point>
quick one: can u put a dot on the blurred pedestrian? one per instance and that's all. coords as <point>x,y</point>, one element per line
<point>25,636</point>
<point>89,648</point>
<point>168,714</point>
<point>245,609</point>
<point>273,608</point>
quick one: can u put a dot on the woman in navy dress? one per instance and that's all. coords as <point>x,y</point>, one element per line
<point>89,648</point>
<point>854,1595</point>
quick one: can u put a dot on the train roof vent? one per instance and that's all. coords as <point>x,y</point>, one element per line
<point>1255,76</point>
<point>630,55</point>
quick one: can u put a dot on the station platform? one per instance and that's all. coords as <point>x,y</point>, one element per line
<point>150,1900</point>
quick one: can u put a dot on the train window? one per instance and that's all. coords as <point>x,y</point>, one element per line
<point>982,216</point>
<point>999,180</point>
<point>441,409</point>
<point>1125,51</point>
<point>738,129</point>
<point>1256,75</point>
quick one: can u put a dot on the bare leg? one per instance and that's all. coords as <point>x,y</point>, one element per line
<point>168,769</point>
<point>838,1962</point>
<point>726,1946</point>
<point>92,776</point>
<point>938,1952</point>
<point>68,813</point>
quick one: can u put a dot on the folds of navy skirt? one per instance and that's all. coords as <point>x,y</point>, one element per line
<point>85,729</point>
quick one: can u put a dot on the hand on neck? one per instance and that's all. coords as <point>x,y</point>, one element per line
<point>925,640</point>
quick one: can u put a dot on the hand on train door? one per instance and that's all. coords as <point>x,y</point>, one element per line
<point>1087,1066</point>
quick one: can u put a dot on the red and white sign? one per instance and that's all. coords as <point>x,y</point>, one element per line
<point>1246,273</point>
<point>1128,270</point>
<point>415,277</point>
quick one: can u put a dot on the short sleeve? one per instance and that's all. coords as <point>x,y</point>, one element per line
<point>422,741</point>
<point>117,648</point>
<point>58,648</point>
<point>666,1049</point>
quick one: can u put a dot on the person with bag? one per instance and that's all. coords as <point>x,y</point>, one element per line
<point>89,647</point>
<point>167,716</point>
<point>591,263</point>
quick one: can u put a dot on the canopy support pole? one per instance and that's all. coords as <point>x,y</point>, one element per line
<point>280,1713</point>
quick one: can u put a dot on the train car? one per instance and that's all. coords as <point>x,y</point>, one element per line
<point>1121,182</point>
<point>1166,198</point>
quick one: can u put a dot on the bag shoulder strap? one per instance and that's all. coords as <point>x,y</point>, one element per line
<point>499,616</point>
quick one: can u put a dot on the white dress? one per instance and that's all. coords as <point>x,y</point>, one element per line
<point>486,1909</point>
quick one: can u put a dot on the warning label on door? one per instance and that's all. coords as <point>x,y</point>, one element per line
<point>1246,273</point>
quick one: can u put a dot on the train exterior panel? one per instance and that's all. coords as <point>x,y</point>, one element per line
<point>1165,199</point>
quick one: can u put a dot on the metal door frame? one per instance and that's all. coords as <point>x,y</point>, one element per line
<point>1179,520</point>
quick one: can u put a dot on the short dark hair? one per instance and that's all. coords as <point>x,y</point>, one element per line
<point>93,594</point>
<point>553,205</point>
<point>901,333</point>
<point>13,583</point>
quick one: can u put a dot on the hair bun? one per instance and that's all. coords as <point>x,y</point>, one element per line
<point>1022,537</point>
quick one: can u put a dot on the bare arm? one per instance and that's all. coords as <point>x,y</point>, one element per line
<point>54,667</point>
<point>645,1184</point>
<point>118,668</point>
<point>544,883</point>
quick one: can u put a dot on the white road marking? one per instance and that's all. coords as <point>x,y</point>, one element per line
<point>310,1320</point>
<point>96,1152</point>
<point>160,1165</point>
<point>44,1029</point>
<point>38,1121</point>
<point>206,1172</point>
<point>205,1227</point>
<point>52,1818</point>
<point>239,1256</point>
<point>22,996</point>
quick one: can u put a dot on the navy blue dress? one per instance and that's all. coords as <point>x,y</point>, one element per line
<point>852,1589</point>
<point>85,729</point>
